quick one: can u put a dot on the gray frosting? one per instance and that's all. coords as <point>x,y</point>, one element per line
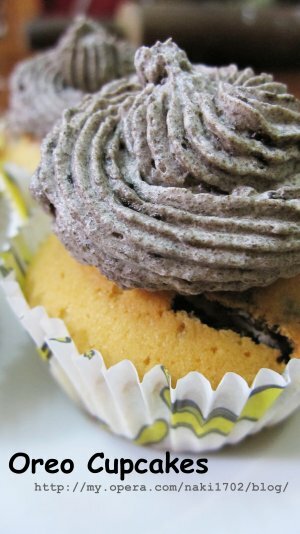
<point>39,95</point>
<point>184,178</point>
<point>42,87</point>
<point>91,56</point>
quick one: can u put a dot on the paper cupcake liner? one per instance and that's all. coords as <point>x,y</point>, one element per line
<point>16,204</point>
<point>189,417</point>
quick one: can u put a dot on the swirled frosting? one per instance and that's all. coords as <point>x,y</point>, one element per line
<point>86,57</point>
<point>39,95</point>
<point>91,56</point>
<point>187,180</point>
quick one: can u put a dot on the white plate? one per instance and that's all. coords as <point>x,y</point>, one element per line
<point>37,418</point>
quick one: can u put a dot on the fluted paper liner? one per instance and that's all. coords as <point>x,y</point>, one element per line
<point>189,417</point>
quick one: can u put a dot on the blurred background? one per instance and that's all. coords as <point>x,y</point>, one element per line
<point>264,34</point>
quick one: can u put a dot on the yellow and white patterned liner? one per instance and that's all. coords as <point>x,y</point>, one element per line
<point>189,417</point>
<point>13,208</point>
<point>17,160</point>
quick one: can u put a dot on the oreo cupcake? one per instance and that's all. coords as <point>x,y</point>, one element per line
<point>86,57</point>
<point>175,201</point>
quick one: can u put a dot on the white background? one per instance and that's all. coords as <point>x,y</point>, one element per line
<point>36,417</point>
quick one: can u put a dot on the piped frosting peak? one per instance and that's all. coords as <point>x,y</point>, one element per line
<point>42,87</point>
<point>188,179</point>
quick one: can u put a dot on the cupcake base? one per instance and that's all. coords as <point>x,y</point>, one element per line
<point>189,417</point>
<point>149,328</point>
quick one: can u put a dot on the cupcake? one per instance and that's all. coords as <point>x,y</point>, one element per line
<point>175,203</point>
<point>86,57</point>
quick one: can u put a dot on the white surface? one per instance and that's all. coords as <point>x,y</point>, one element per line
<point>37,418</point>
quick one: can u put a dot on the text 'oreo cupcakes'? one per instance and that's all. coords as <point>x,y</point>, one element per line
<point>176,198</point>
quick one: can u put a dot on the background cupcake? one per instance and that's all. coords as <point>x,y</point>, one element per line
<point>86,57</point>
